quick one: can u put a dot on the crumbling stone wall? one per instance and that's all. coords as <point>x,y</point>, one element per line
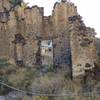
<point>27,21</point>
<point>61,49</point>
<point>72,40</point>
<point>61,12</point>
<point>4,37</point>
<point>61,42</point>
<point>4,41</point>
<point>82,46</point>
<point>47,27</point>
<point>19,42</point>
<point>30,50</point>
<point>31,28</point>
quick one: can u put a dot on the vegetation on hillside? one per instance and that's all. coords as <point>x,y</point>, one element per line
<point>43,80</point>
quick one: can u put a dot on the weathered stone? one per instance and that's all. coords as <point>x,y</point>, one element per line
<point>83,50</point>
<point>19,43</point>
<point>61,13</point>
<point>73,42</point>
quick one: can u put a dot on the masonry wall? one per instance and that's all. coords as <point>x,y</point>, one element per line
<point>4,41</point>
<point>21,20</point>
<point>48,28</point>
<point>62,54</point>
<point>4,37</point>
<point>83,48</point>
<point>30,25</point>
<point>61,12</point>
<point>69,40</point>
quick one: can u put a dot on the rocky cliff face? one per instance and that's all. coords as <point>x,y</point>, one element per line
<point>72,41</point>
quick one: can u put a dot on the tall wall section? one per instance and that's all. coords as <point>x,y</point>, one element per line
<point>35,27</point>
<point>30,24</point>
<point>61,41</point>
<point>83,47</point>
<point>60,15</point>
<point>68,38</point>
<point>4,33</point>
<point>20,20</point>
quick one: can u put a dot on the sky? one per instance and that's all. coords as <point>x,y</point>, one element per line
<point>88,9</point>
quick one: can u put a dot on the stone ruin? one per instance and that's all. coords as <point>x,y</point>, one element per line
<point>23,29</point>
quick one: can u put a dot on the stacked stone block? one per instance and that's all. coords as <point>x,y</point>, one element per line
<point>73,42</point>
<point>83,48</point>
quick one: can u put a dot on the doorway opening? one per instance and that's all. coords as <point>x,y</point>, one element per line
<point>47,52</point>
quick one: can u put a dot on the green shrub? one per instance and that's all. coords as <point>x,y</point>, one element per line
<point>4,63</point>
<point>3,89</point>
